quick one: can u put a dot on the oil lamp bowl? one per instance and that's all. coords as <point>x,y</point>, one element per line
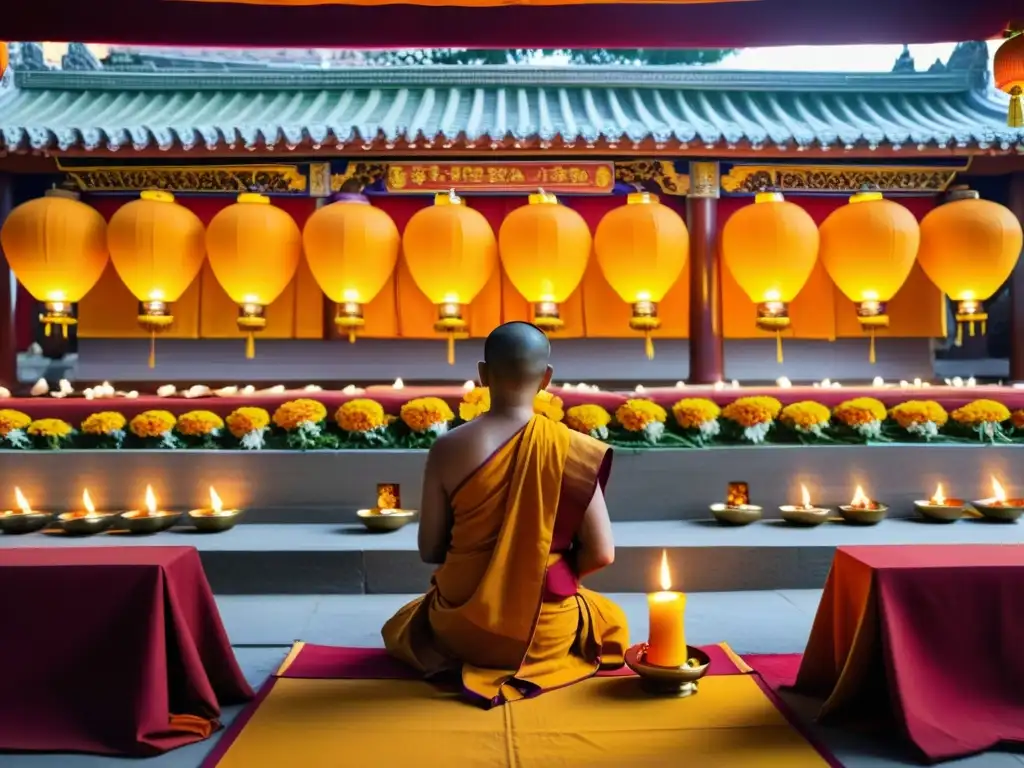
<point>137,521</point>
<point>209,521</point>
<point>861,516</point>
<point>77,524</point>
<point>804,517</point>
<point>1007,512</point>
<point>948,512</point>
<point>379,521</point>
<point>668,681</point>
<point>745,514</point>
<point>21,522</point>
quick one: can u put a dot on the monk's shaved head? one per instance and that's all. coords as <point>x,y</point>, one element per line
<point>516,356</point>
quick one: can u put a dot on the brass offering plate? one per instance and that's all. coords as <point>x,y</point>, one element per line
<point>862,516</point>
<point>744,514</point>
<point>77,524</point>
<point>21,522</point>
<point>144,522</point>
<point>668,681</point>
<point>949,512</point>
<point>1007,512</point>
<point>208,521</point>
<point>385,520</point>
<point>803,517</point>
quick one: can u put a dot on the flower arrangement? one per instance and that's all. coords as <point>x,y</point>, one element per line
<point>591,420</point>
<point>53,434</point>
<point>363,420</point>
<point>475,402</point>
<point>200,429</point>
<point>920,418</point>
<point>548,405</point>
<point>985,418</point>
<point>249,427</point>
<point>642,419</point>
<point>1017,419</point>
<point>12,429</point>
<point>864,416</point>
<point>155,427</point>
<point>303,423</point>
<point>807,419</point>
<point>104,429</point>
<point>698,416</point>
<point>753,416</point>
<point>426,418</point>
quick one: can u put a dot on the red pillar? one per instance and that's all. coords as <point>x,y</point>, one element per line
<point>707,358</point>
<point>8,347</point>
<point>1016,204</point>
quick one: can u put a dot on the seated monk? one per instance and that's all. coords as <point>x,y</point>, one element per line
<point>514,515</point>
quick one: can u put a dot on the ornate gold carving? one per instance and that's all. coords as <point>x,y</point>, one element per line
<point>704,179</point>
<point>750,179</point>
<point>363,173</point>
<point>272,179</point>
<point>660,172</point>
<point>319,179</point>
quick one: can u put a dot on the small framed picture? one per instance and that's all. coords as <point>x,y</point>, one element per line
<point>388,496</point>
<point>737,495</point>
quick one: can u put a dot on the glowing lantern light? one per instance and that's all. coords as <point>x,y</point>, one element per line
<point>544,249</point>
<point>868,248</point>
<point>351,248</point>
<point>157,248</point>
<point>451,254</point>
<point>968,248</point>
<point>642,248</point>
<point>57,247</point>
<point>1008,75</point>
<point>254,249</point>
<point>771,248</point>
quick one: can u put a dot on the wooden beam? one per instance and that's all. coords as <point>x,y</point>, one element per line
<point>8,346</point>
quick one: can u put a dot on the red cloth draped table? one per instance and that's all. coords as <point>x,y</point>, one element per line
<point>111,650</point>
<point>931,634</point>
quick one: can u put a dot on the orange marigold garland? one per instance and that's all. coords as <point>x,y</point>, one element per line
<point>104,429</point>
<point>642,419</point>
<point>427,418</point>
<point>864,416</point>
<point>984,418</point>
<point>591,420</point>
<point>807,419</point>
<point>155,427</point>
<point>249,426</point>
<point>363,421</point>
<point>1017,418</point>
<point>303,423</point>
<point>200,429</point>
<point>753,416</point>
<point>53,434</point>
<point>478,400</point>
<point>920,418</point>
<point>698,418</point>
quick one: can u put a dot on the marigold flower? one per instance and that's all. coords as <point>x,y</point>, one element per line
<point>293,414</point>
<point>860,411</point>
<point>149,424</point>
<point>199,423</point>
<point>247,420</point>
<point>914,413</point>
<point>806,416</point>
<point>11,420</point>
<point>980,412</point>
<point>426,414</point>
<point>638,415</point>
<point>475,402</point>
<point>752,411</point>
<point>103,423</point>
<point>549,405</point>
<point>694,412</point>
<point>1018,419</point>
<point>361,415</point>
<point>588,419</point>
<point>49,428</point>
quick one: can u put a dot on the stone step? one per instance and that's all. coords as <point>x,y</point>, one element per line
<point>331,559</point>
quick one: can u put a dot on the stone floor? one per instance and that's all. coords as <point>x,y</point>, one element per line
<point>262,628</point>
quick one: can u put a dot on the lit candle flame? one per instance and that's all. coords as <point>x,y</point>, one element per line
<point>22,502</point>
<point>150,500</point>
<point>860,500</point>
<point>469,386</point>
<point>90,509</point>
<point>666,576</point>
<point>805,495</point>
<point>939,497</point>
<point>399,384</point>
<point>998,492</point>
<point>215,503</point>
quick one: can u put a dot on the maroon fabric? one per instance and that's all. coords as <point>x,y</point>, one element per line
<point>104,645</point>
<point>655,25</point>
<point>778,669</point>
<point>327,662</point>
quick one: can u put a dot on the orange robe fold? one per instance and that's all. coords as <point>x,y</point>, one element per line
<point>505,607</point>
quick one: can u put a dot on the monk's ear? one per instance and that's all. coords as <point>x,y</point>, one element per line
<point>544,382</point>
<point>481,372</point>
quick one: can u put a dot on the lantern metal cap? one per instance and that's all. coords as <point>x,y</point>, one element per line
<point>641,198</point>
<point>962,192</point>
<point>157,196</point>
<point>64,194</point>
<point>253,197</point>
<point>866,197</point>
<point>769,197</point>
<point>447,198</point>
<point>543,198</point>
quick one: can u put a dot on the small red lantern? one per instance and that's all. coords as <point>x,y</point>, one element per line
<point>1008,73</point>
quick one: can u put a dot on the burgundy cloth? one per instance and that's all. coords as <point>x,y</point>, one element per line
<point>654,25</point>
<point>949,625</point>
<point>103,645</point>
<point>327,662</point>
<point>75,409</point>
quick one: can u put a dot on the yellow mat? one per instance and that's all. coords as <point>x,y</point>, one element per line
<point>609,722</point>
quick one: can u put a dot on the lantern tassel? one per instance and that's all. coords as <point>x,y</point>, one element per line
<point>778,347</point>
<point>451,348</point>
<point>871,348</point>
<point>352,336</point>
<point>984,327</point>
<point>971,328</point>
<point>250,345</point>
<point>47,328</point>
<point>64,330</point>
<point>1015,117</point>
<point>648,345</point>
<point>959,342</point>
<point>152,349</point>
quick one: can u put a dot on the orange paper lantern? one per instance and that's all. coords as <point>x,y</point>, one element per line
<point>771,248</point>
<point>969,247</point>
<point>254,249</point>
<point>351,248</point>
<point>57,247</point>
<point>3,59</point>
<point>868,248</point>
<point>451,254</point>
<point>642,248</point>
<point>157,248</point>
<point>544,250</point>
<point>1008,75</point>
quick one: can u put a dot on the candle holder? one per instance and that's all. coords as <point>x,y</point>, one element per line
<point>999,510</point>
<point>948,511</point>
<point>16,522</point>
<point>668,681</point>
<point>385,520</point>
<point>86,524</point>
<point>209,520</point>
<point>741,514</point>
<point>871,514</point>
<point>144,521</point>
<point>804,516</point>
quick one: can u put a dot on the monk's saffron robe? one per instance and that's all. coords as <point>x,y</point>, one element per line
<point>506,608</point>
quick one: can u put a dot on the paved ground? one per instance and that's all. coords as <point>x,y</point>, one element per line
<point>262,628</point>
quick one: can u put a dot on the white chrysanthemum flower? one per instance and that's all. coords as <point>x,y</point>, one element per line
<point>654,431</point>
<point>871,430</point>
<point>17,438</point>
<point>709,429</point>
<point>925,429</point>
<point>168,440</point>
<point>600,433</point>
<point>437,429</point>
<point>757,433</point>
<point>309,430</point>
<point>254,441</point>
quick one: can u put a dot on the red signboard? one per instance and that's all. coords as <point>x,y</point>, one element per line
<point>574,177</point>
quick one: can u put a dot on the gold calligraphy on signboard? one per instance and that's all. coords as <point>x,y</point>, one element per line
<point>575,177</point>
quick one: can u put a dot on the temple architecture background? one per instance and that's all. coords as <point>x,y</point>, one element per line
<point>705,141</point>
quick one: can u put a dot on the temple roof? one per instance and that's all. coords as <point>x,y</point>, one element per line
<point>508,107</point>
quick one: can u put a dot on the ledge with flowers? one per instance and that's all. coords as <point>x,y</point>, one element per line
<point>383,417</point>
